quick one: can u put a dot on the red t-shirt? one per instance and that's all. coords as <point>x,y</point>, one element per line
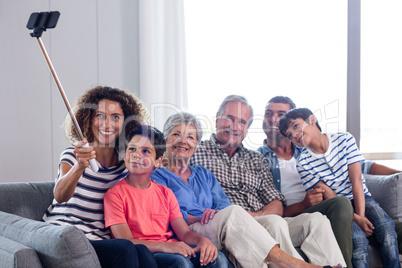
<point>147,212</point>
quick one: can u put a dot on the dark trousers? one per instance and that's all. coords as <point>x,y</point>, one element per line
<point>122,253</point>
<point>339,211</point>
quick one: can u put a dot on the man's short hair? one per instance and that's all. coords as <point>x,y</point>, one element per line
<point>238,99</point>
<point>282,99</point>
<point>154,135</point>
<point>293,114</point>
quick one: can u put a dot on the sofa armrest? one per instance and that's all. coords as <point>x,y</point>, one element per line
<point>26,199</point>
<point>387,191</point>
<point>56,246</point>
<point>14,254</point>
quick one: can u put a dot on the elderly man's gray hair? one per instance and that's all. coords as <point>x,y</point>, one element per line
<point>235,98</point>
<point>183,118</point>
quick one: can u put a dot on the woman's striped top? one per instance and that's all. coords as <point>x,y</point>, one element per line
<point>85,208</point>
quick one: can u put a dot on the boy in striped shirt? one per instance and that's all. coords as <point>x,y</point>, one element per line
<point>332,162</point>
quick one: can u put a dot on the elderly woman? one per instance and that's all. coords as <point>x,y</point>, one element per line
<point>205,206</point>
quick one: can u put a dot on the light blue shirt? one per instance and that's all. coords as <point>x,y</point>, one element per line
<point>202,191</point>
<point>274,163</point>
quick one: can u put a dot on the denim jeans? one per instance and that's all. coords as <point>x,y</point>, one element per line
<point>169,260</point>
<point>122,253</point>
<point>384,230</point>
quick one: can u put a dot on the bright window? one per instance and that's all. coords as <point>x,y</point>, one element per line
<point>260,49</point>
<point>381,77</point>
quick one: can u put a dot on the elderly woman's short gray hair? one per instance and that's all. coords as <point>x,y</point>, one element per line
<point>183,118</point>
<point>235,98</point>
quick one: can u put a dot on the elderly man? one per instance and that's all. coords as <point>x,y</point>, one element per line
<point>282,155</point>
<point>246,178</point>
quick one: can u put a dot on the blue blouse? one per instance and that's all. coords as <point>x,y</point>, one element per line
<point>202,191</point>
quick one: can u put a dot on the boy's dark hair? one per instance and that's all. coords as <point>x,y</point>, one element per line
<point>293,114</point>
<point>154,135</point>
<point>283,99</point>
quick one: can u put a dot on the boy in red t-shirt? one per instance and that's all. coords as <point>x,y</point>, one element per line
<point>147,213</point>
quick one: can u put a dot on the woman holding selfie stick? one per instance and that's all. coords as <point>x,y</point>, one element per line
<point>103,114</point>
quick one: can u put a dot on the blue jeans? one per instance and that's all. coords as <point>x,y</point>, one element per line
<point>116,253</point>
<point>384,230</point>
<point>169,260</point>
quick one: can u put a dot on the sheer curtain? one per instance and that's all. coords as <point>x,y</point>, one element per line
<point>162,69</point>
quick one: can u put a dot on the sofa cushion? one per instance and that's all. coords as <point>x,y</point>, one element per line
<point>28,199</point>
<point>56,246</point>
<point>385,191</point>
<point>13,254</point>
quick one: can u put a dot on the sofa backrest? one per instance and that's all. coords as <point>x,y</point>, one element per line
<point>387,191</point>
<point>26,199</point>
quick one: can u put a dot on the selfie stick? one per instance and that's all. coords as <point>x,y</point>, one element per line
<point>39,22</point>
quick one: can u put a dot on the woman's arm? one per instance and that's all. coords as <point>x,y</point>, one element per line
<point>192,219</point>
<point>69,175</point>
<point>219,197</point>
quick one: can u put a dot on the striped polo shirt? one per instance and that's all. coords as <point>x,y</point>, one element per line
<point>332,166</point>
<point>85,208</point>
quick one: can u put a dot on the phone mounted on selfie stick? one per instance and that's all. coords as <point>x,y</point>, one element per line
<point>38,22</point>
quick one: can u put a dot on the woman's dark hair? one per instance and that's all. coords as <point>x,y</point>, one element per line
<point>154,135</point>
<point>85,110</point>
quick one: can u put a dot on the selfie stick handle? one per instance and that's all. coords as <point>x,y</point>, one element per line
<point>92,162</point>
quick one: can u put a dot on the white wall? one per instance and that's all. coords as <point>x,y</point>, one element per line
<point>94,43</point>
